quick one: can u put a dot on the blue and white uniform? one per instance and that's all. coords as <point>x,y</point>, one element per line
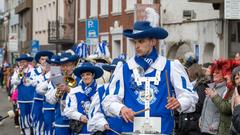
<point>61,121</point>
<point>78,102</point>
<point>48,109</point>
<point>25,96</point>
<point>37,112</point>
<point>97,117</point>
<point>124,91</point>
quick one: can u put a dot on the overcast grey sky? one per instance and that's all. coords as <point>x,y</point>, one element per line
<point>1,5</point>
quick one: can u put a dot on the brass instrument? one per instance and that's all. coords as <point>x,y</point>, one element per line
<point>21,74</point>
<point>59,93</point>
<point>69,80</point>
<point>71,83</point>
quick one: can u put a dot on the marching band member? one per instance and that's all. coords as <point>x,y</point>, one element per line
<point>98,121</point>
<point>99,61</point>
<point>111,67</point>
<point>58,95</point>
<point>21,78</point>
<point>42,88</point>
<point>142,83</point>
<point>79,98</point>
<point>37,114</point>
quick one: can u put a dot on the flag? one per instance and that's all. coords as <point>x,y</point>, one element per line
<point>82,50</point>
<point>102,49</point>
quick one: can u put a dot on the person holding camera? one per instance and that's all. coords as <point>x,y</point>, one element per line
<point>210,117</point>
<point>223,102</point>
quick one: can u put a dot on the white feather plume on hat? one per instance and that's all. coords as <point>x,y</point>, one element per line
<point>152,16</point>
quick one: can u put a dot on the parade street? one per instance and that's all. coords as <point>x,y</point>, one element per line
<point>8,127</point>
<point>120,67</point>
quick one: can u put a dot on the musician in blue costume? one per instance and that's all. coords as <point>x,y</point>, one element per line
<point>37,114</point>
<point>22,79</point>
<point>98,121</point>
<point>68,60</point>
<point>42,88</point>
<point>148,79</point>
<point>79,99</point>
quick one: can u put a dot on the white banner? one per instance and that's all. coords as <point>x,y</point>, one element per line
<point>12,42</point>
<point>232,9</point>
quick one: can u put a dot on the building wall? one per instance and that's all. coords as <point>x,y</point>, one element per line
<point>25,26</point>
<point>43,11</point>
<point>204,29</point>
<point>172,10</point>
<point>13,46</point>
<point>111,25</point>
<point>25,31</point>
<point>185,36</point>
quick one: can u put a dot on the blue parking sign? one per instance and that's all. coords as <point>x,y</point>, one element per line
<point>35,47</point>
<point>92,28</point>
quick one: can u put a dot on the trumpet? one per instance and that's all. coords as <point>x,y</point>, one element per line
<point>59,93</point>
<point>71,83</point>
<point>21,74</point>
<point>70,80</point>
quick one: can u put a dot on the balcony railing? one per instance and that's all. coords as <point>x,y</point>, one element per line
<point>59,32</point>
<point>23,5</point>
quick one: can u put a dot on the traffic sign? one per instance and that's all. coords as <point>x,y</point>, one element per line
<point>35,47</point>
<point>92,28</point>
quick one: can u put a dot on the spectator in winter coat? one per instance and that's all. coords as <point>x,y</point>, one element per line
<point>236,102</point>
<point>223,102</point>
<point>210,117</point>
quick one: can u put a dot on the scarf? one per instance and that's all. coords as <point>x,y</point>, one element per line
<point>91,89</point>
<point>146,61</point>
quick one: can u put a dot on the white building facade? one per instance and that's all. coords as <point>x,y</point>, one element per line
<point>43,12</point>
<point>194,27</point>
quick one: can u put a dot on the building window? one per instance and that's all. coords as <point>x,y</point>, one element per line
<point>147,1</point>
<point>117,6</point>
<point>94,8</point>
<point>53,12</point>
<point>40,16</point>
<point>49,10</point>
<point>36,20</point>
<point>83,9</point>
<point>104,7</point>
<point>130,4</point>
<point>45,19</point>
